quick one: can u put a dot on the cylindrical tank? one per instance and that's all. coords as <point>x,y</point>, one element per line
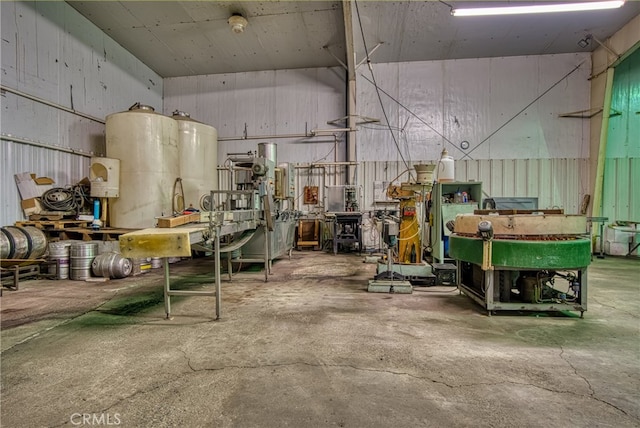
<point>146,143</point>
<point>424,173</point>
<point>446,171</point>
<point>22,242</point>
<point>82,255</point>
<point>268,151</point>
<point>111,265</point>
<point>59,253</point>
<point>198,153</point>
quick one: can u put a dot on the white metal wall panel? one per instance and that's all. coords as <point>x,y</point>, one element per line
<point>52,52</point>
<point>557,183</point>
<point>471,99</point>
<point>277,102</point>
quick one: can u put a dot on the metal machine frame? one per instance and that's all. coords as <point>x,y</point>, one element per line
<point>516,269</point>
<point>244,214</point>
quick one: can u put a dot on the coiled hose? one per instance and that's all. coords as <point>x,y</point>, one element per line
<point>66,199</point>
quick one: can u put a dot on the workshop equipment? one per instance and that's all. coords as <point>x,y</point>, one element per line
<point>404,240</point>
<point>252,216</point>
<point>389,281</point>
<point>343,213</point>
<point>522,262</point>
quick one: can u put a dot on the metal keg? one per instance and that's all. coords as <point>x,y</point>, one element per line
<point>22,242</point>
<point>111,265</point>
<point>59,252</point>
<point>82,255</point>
<point>5,245</point>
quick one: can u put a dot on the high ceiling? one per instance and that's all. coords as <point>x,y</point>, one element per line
<point>185,38</point>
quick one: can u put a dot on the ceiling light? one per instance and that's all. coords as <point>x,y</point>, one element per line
<point>540,8</point>
<point>238,23</point>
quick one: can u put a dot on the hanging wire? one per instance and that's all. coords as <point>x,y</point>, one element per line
<point>412,113</point>
<point>523,109</point>
<point>366,51</point>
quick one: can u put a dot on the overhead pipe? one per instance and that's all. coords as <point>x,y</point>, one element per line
<point>50,104</point>
<point>312,134</point>
<point>13,139</point>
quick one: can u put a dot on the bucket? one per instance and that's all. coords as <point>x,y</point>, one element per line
<point>59,252</point>
<point>446,168</point>
<point>23,242</point>
<point>111,265</point>
<point>82,255</point>
<point>424,173</point>
<point>156,262</point>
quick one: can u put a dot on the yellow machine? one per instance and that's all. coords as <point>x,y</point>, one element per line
<point>403,238</point>
<point>409,233</point>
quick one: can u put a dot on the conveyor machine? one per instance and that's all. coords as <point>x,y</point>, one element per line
<point>522,262</point>
<point>257,216</point>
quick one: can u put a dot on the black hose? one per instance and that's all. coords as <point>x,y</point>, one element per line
<point>73,198</point>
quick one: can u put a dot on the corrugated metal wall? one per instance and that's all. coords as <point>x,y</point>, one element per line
<point>537,154</point>
<point>276,102</point>
<point>437,104</point>
<point>557,183</point>
<point>620,199</point>
<point>51,52</point>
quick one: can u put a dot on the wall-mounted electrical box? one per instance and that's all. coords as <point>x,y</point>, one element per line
<point>104,175</point>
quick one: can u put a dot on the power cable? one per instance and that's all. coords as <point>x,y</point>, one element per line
<point>412,113</point>
<point>69,199</point>
<point>523,109</point>
<point>366,51</point>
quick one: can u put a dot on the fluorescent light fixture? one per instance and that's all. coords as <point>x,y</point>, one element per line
<point>540,8</point>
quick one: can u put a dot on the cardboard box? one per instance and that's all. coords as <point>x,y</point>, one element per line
<point>618,234</point>
<point>616,248</point>
<point>42,181</point>
<point>26,186</point>
<point>30,186</point>
<point>31,206</point>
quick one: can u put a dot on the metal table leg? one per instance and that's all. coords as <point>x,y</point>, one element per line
<point>217,270</point>
<point>167,297</point>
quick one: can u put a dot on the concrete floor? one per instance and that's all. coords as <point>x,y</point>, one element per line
<point>312,348</point>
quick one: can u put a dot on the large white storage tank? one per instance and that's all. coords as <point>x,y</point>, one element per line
<point>146,143</point>
<point>198,153</point>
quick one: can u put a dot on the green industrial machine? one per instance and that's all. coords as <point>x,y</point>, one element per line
<point>447,201</point>
<point>522,262</point>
